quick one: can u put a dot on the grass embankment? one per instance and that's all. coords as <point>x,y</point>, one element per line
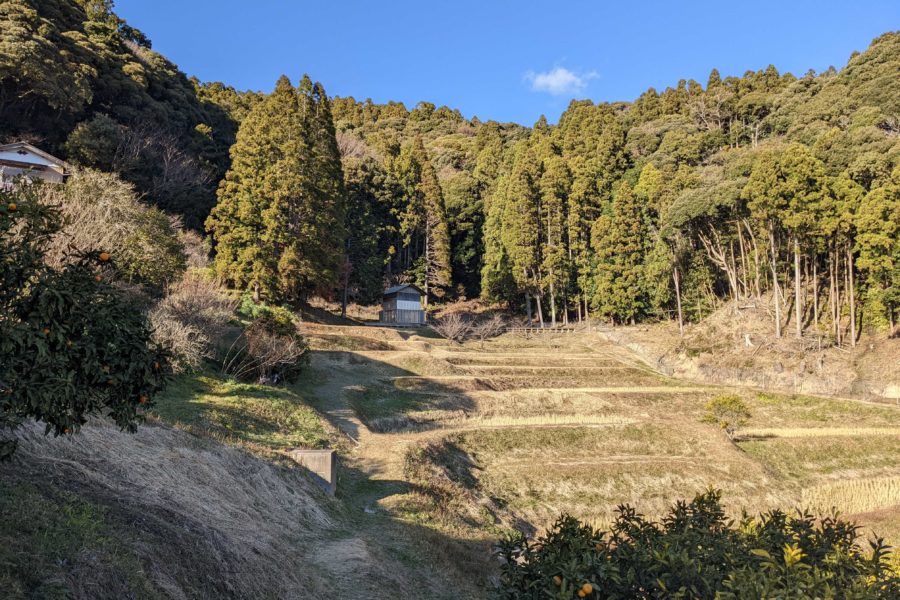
<point>49,542</point>
<point>262,418</point>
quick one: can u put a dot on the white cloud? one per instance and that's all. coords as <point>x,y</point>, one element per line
<point>559,81</point>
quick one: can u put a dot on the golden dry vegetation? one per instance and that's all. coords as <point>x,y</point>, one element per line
<point>514,432</point>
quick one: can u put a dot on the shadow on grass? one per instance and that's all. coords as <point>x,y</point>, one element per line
<point>378,401</point>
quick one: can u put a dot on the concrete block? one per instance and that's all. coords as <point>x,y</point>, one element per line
<point>321,463</point>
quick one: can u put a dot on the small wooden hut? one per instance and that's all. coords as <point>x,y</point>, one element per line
<point>402,305</point>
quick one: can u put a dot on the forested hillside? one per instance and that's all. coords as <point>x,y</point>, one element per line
<point>765,188</point>
<point>80,82</point>
<point>750,185</point>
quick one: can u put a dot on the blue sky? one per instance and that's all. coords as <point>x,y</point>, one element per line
<point>502,59</point>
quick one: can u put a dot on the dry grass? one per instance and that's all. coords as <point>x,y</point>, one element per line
<point>804,432</point>
<point>569,423</point>
<point>193,319</point>
<point>205,520</point>
<point>854,496</point>
<point>809,460</point>
<point>546,420</point>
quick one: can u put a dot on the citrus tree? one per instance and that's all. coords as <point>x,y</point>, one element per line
<point>696,551</point>
<point>728,412</point>
<point>71,345</point>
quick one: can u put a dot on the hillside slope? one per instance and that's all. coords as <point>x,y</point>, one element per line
<point>737,347</point>
<point>166,514</point>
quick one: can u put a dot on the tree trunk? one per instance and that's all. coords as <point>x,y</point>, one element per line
<point>587,312</point>
<point>837,297</point>
<point>552,305</point>
<point>744,270</point>
<point>528,306</point>
<point>815,278</point>
<point>775,287</point>
<point>734,269</point>
<point>540,309</point>
<point>256,291</point>
<point>676,278</point>
<point>756,277</point>
<point>852,295</point>
<point>344,293</point>
<point>798,312</point>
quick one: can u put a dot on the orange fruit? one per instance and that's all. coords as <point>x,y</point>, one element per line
<point>46,330</point>
<point>98,278</point>
<point>581,594</point>
<point>11,207</point>
<point>587,589</point>
<point>142,399</point>
<point>557,580</point>
<point>104,256</point>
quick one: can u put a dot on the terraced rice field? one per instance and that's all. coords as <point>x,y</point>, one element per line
<point>477,438</point>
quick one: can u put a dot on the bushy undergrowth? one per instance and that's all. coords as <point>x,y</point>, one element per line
<point>696,552</point>
<point>192,320</point>
<point>270,350</point>
<point>101,212</point>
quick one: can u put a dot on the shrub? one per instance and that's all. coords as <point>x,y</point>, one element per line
<point>189,345</point>
<point>70,345</point>
<point>101,212</point>
<point>198,300</point>
<point>728,412</point>
<point>453,327</point>
<point>695,552</point>
<point>268,351</point>
<point>192,319</point>
<point>196,248</point>
<point>278,316</point>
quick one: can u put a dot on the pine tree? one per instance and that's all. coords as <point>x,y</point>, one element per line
<point>327,193</point>
<point>878,245</point>
<point>497,283</point>
<point>245,256</point>
<point>362,273</point>
<point>556,182</point>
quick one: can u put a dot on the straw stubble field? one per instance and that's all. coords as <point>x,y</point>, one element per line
<point>520,430</point>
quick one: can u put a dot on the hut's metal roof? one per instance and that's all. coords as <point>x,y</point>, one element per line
<point>397,288</point>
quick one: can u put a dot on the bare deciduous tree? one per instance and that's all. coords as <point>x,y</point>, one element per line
<point>454,327</point>
<point>266,355</point>
<point>488,327</point>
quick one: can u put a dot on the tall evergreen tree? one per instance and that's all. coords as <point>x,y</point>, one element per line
<point>497,283</point>
<point>436,254</point>
<point>279,221</point>
<point>619,240</point>
<point>520,232</point>
<point>244,254</point>
<point>556,182</point>
<point>878,243</point>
